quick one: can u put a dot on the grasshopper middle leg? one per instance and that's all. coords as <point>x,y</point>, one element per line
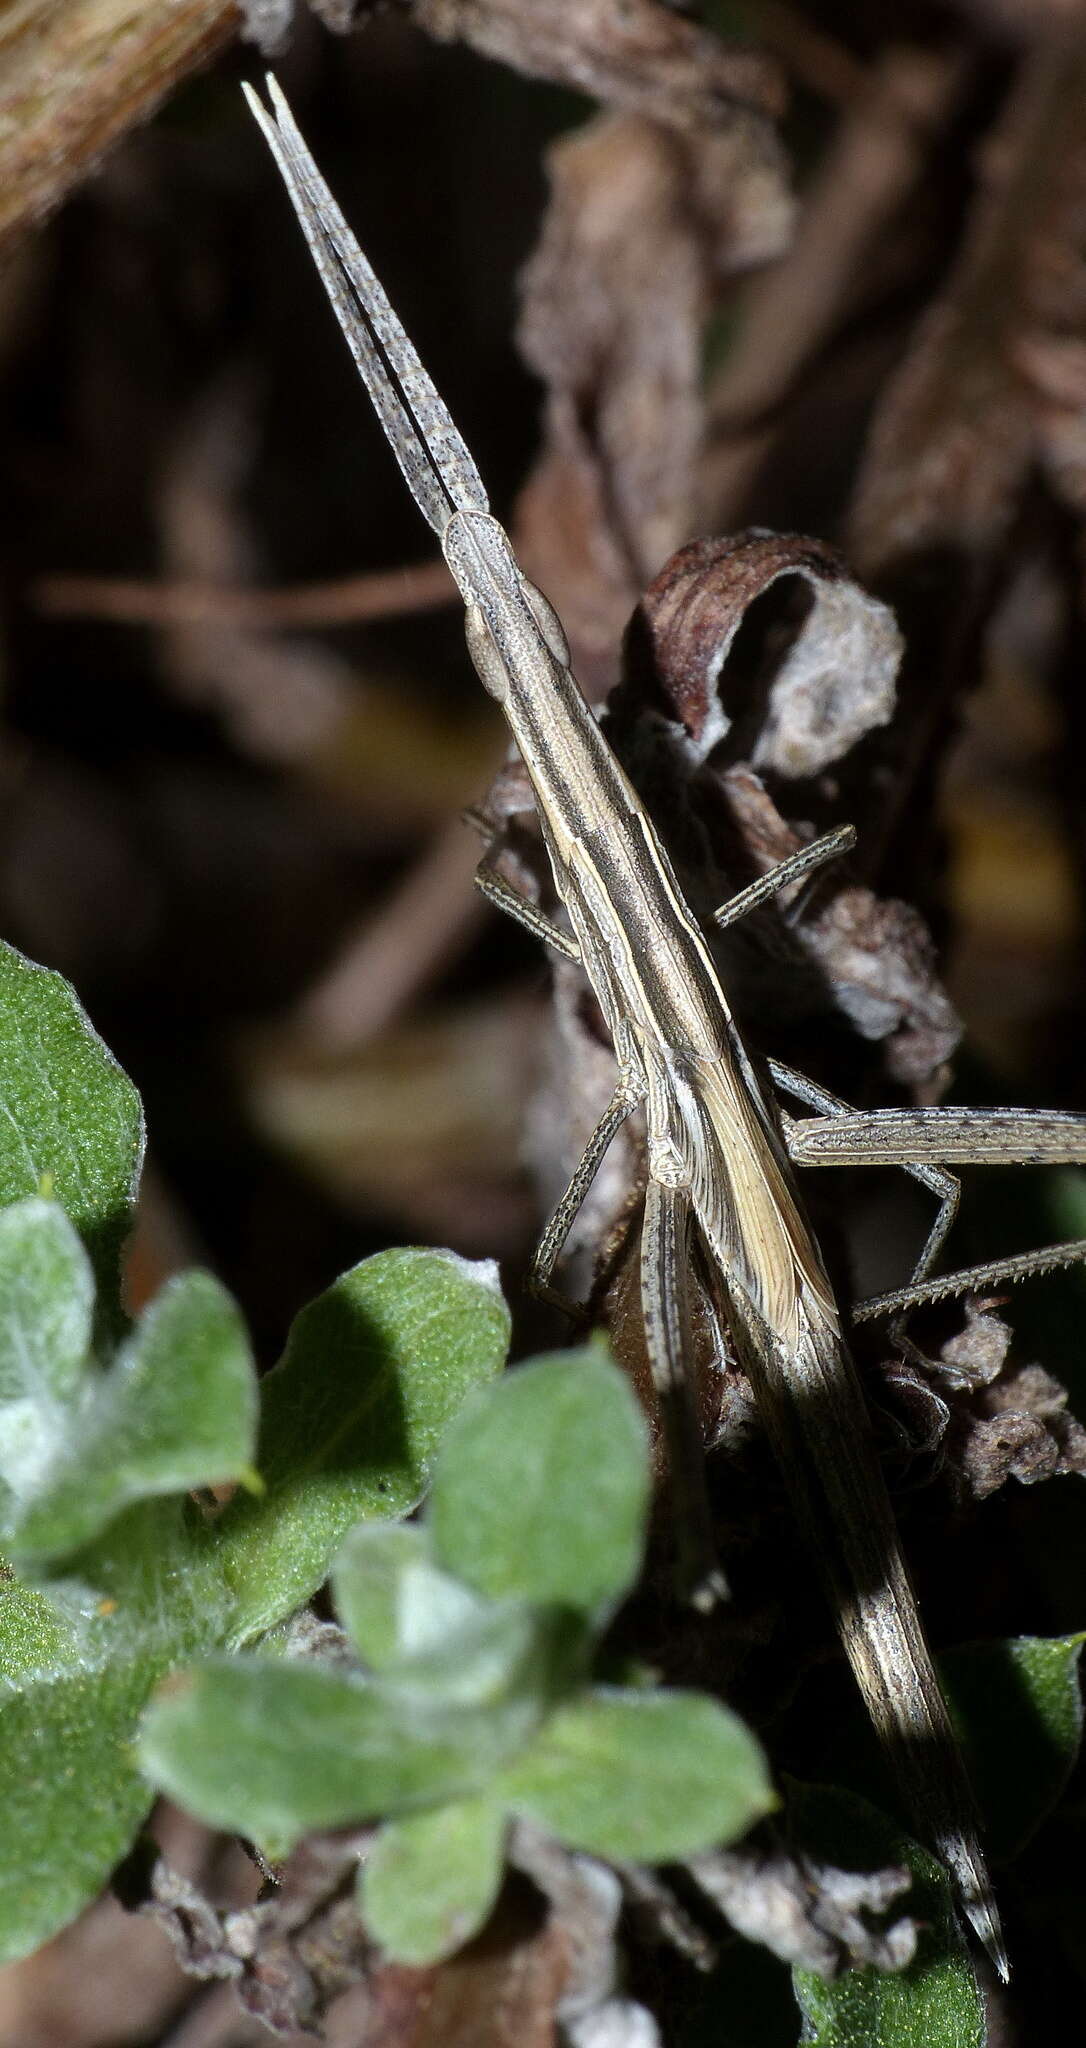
<point>914,1139</point>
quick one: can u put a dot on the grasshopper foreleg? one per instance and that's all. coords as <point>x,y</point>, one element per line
<point>493,885</point>
<point>802,862</point>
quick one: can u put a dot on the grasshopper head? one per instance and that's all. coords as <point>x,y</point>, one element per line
<point>506,615</point>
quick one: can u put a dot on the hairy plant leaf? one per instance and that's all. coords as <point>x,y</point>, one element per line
<point>423,1629</point>
<point>1018,1709</point>
<point>506,1652</point>
<point>429,1882</point>
<point>81,1447</point>
<point>541,1489</point>
<point>144,1585</point>
<point>73,1124</point>
<point>936,1998</point>
<point>391,1598</point>
<point>274,1749</point>
<point>46,1313</point>
<point>70,1797</point>
<point>176,1409</point>
<point>76,1668</point>
<point>642,1777</point>
<point>351,1417</point>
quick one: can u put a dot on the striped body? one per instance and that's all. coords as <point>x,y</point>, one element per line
<point>714,1144</point>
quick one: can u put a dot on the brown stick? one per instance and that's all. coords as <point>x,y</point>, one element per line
<point>385,594</point>
<point>383,965</point>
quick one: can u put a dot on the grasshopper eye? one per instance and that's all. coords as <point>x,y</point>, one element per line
<point>483,650</point>
<point>548,621</point>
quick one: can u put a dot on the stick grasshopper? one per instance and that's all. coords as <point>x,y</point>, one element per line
<point>719,1152</point>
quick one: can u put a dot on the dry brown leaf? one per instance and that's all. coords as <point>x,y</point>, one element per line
<point>834,684</point>
<point>643,222</point>
<point>891,114</point>
<point>548,1955</point>
<point>959,426</point>
<point>983,402</point>
<point>809,702</point>
<point>628,53</point>
<point>504,1989</point>
<point>977,1354</point>
<point>585,1899</point>
<point>268,23</point>
<point>874,955</point>
<point>292,1954</point>
<point>305,1945</point>
<point>1021,1428</point>
<point>878,958</point>
<point>975,1414</point>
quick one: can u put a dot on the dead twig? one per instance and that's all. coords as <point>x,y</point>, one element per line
<point>875,161</point>
<point>348,601</point>
<point>384,965</point>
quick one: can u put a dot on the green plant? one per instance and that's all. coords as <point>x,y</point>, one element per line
<point>477,1703</point>
<point>475,1685</point>
<point>105,1431</point>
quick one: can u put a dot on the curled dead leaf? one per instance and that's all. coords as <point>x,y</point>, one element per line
<point>835,682</point>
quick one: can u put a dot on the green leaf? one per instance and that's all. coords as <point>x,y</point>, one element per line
<point>542,1486</point>
<point>425,1630</point>
<point>373,1372</point>
<point>97,1443</point>
<point>72,1127</point>
<point>273,1749</point>
<point>1018,1709</point>
<point>150,1583</point>
<point>76,1667</point>
<point>46,1312</point>
<point>69,1794</point>
<point>177,1409</point>
<point>642,1777</point>
<point>163,1583</point>
<point>392,1600</point>
<point>935,2000</point>
<point>508,1656</point>
<point>429,1882</point>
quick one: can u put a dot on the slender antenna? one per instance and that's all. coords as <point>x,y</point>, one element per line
<point>440,473</point>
